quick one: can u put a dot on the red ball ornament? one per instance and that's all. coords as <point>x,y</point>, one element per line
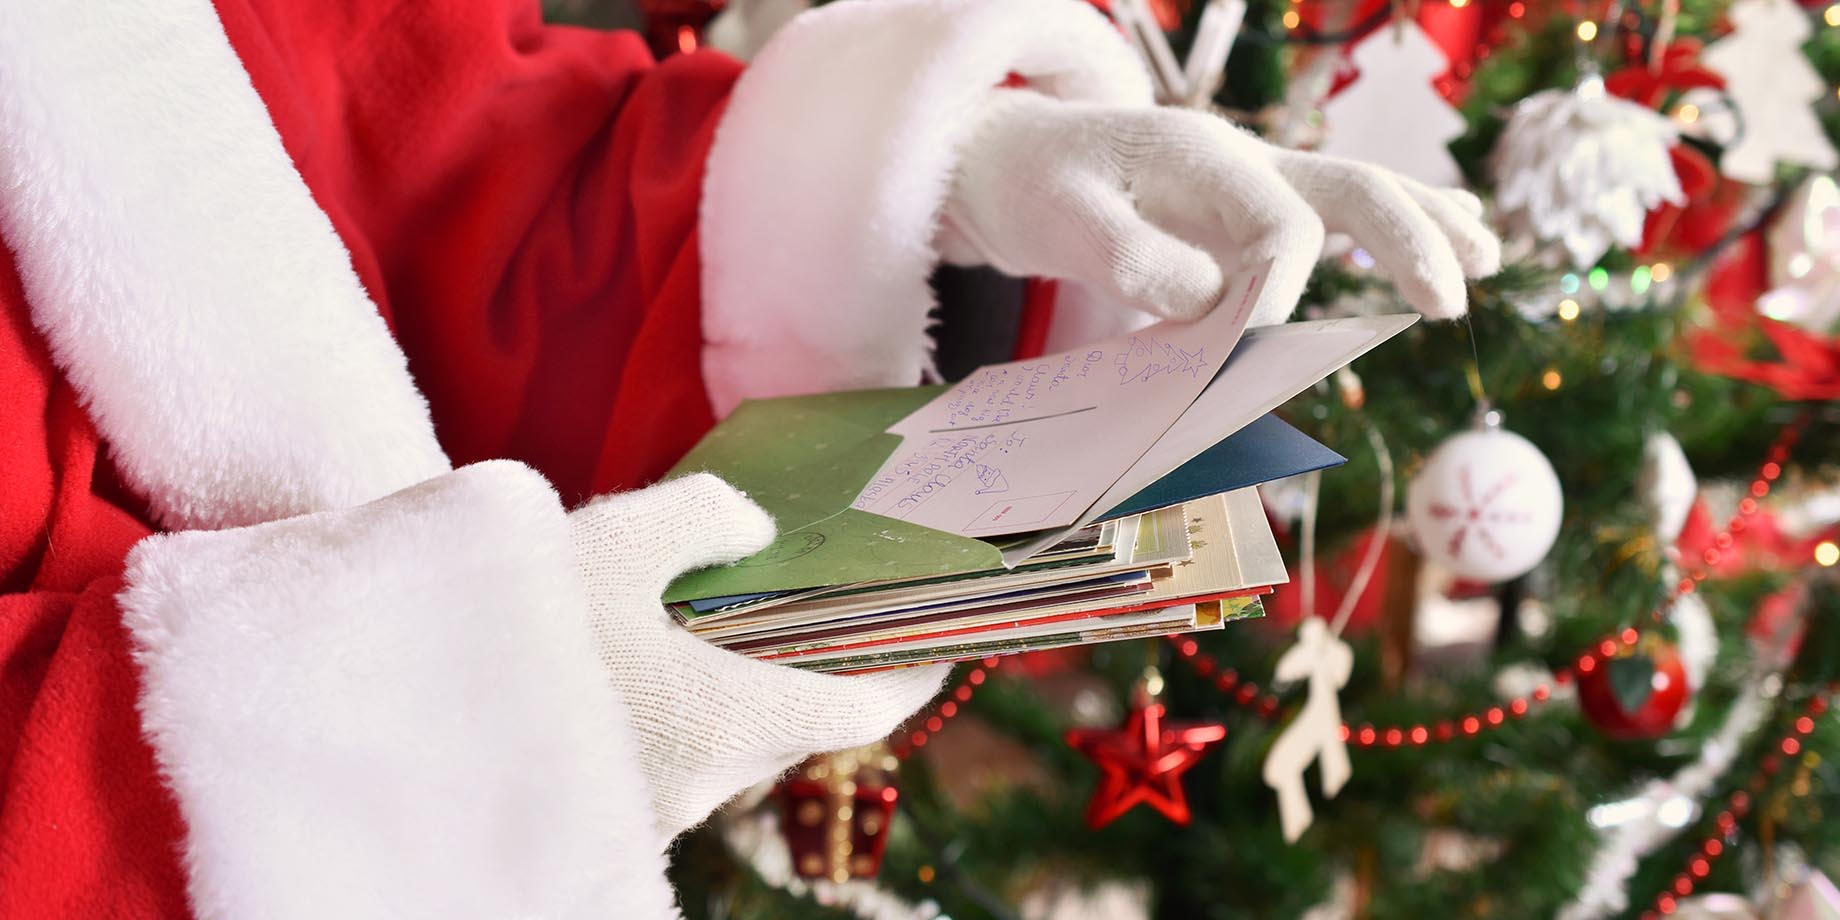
<point>1143,762</point>
<point>1637,693</point>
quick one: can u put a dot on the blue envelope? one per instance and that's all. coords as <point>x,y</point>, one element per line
<point>1265,450</point>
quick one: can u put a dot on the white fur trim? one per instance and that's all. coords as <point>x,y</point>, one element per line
<point>393,711</point>
<point>832,163</point>
<point>187,282</point>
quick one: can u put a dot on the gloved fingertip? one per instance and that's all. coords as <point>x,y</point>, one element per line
<point>742,529</point>
<point>1292,247</point>
<point>1169,279</point>
<point>732,525</point>
<point>1482,256</point>
<point>1436,298</point>
<point>1182,305</point>
<point>754,528</point>
<point>1445,305</point>
<point>1465,199</point>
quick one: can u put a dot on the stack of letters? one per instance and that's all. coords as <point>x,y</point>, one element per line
<point>1098,494</point>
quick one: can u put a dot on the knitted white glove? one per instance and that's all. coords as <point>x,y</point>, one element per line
<point>1148,204</point>
<point>710,722</point>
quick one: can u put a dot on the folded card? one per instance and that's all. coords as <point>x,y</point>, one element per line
<point>821,464</point>
<point>1031,445</point>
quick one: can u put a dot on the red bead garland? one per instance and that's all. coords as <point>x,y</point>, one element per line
<point>1246,694</point>
<point>1725,823</point>
<point>945,711</point>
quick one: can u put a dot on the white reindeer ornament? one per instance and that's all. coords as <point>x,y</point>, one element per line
<point>1315,734</point>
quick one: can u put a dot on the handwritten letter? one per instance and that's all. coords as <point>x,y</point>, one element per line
<point>1051,434</point>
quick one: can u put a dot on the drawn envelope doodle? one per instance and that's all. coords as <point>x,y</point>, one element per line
<point>1048,436</point>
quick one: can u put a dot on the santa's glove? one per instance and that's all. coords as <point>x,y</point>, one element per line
<point>1148,204</point>
<point>711,723</point>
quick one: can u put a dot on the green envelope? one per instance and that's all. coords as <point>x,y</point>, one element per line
<point>805,459</point>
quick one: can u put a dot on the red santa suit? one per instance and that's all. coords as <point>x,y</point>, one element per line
<point>271,261</point>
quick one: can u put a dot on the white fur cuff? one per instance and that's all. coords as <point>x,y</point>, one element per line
<point>832,163</point>
<point>393,711</point>
<point>185,278</point>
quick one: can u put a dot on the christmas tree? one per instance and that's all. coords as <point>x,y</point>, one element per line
<point>1643,718</point>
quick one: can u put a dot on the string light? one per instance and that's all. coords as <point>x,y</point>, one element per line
<point>1587,31</point>
<point>1826,553</point>
<point>1517,9</point>
<point>1660,271</point>
<point>1551,379</point>
<point>1688,113</point>
<point>1568,309</point>
<point>1291,19</point>
<point>1832,16</point>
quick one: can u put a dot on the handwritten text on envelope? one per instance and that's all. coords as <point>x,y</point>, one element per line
<point>1030,445</point>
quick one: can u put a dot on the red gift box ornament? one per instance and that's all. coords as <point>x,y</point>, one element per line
<point>835,813</point>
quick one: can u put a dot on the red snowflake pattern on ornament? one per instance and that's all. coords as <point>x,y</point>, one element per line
<point>1476,514</point>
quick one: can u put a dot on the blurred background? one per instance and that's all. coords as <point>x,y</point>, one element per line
<point>1640,724</point>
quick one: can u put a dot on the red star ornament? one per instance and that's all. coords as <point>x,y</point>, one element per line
<point>1143,762</point>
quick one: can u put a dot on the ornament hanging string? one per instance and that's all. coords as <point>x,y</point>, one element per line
<point>1584,49</point>
<point>1370,560</point>
<point>1664,33</point>
<point>1306,566</point>
<point>1404,11</point>
<point>1474,372</point>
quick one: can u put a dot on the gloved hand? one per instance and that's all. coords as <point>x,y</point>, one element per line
<point>1148,205</point>
<point>711,723</point>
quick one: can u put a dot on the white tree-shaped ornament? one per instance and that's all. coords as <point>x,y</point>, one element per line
<point>1324,660</point>
<point>1391,115</point>
<point>1774,88</point>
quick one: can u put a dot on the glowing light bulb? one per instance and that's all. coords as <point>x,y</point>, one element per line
<point>1587,31</point>
<point>1568,309</point>
<point>1826,553</point>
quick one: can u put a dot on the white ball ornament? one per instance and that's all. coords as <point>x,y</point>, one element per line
<point>1486,505</point>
